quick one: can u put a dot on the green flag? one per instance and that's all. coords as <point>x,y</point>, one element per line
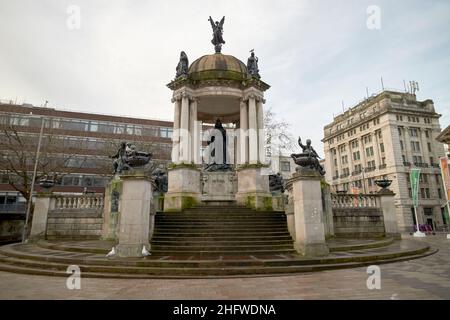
<point>414,178</point>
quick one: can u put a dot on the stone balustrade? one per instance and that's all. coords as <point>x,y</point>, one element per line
<point>63,202</point>
<point>355,201</point>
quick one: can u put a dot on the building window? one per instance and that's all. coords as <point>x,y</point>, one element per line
<point>401,145</point>
<point>382,147</point>
<point>439,193</point>
<point>356,155</point>
<point>369,151</point>
<point>429,146</point>
<point>415,146</point>
<point>285,166</point>
<point>165,132</point>
<point>413,132</point>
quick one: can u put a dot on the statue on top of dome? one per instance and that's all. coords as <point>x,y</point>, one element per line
<point>252,65</point>
<point>183,65</point>
<point>217,27</point>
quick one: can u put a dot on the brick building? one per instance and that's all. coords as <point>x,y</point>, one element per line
<point>90,137</point>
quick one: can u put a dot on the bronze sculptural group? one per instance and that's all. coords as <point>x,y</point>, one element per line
<point>308,158</point>
<point>127,157</point>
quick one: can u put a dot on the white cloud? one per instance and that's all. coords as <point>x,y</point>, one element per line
<point>314,54</point>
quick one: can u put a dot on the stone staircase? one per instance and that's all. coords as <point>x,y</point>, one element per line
<point>217,230</point>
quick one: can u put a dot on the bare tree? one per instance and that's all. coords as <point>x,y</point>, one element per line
<point>18,156</point>
<point>278,138</point>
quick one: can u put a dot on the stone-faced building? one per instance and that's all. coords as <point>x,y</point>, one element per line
<point>384,137</point>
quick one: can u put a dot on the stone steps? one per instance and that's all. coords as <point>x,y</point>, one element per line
<point>206,230</point>
<point>52,262</point>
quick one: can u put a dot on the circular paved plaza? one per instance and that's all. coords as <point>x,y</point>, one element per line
<point>425,278</point>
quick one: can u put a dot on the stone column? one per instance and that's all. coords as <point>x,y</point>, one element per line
<point>237,143</point>
<point>195,133</point>
<point>253,131</point>
<point>243,131</point>
<point>376,149</point>
<point>44,203</point>
<point>407,144</point>
<point>184,130</point>
<point>350,158</point>
<point>387,205</point>
<point>309,226</point>
<point>135,215</point>
<point>424,147</point>
<point>176,131</point>
<point>261,135</point>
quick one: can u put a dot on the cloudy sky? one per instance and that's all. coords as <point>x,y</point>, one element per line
<point>314,54</point>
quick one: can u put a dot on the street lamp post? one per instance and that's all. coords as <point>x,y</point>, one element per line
<point>30,200</point>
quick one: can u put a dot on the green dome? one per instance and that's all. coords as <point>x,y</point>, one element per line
<point>217,66</point>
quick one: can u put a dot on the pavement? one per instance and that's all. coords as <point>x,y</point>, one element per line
<point>425,278</point>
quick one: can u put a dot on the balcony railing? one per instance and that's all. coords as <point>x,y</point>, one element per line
<point>382,166</point>
<point>406,163</point>
<point>368,169</point>
<point>435,165</point>
<point>421,164</point>
<point>355,173</point>
<point>344,175</point>
<point>335,177</point>
<point>13,208</point>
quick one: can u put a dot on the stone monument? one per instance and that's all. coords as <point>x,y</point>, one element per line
<point>218,90</point>
<point>128,203</point>
<point>306,194</point>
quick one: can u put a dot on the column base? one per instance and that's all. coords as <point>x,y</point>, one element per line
<point>184,188</point>
<point>175,202</point>
<point>130,250</point>
<point>253,188</point>
<point>312,249</point>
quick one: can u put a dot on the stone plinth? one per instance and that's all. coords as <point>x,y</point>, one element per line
<point>40,216</point>
<point>183,188</point>
<point>387,205</point>
<point>218,186</point>
<point>134,219</point>
<point>327,211</point>
<point>253,188</point>
<point>111,209</point>
<point>309,226</point>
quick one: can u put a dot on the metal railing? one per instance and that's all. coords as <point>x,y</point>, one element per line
<point>13,208</point>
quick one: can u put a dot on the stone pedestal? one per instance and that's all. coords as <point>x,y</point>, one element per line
<point>253,188</point>
<point>327,211</point>
<point>279,201</point>
<point>387,205</point>
<point>40,215</point>
<point>309,227</point>
<point>183,188</point>
<point>218,186</point>
<point>111,209</point>
<point>134,219</point>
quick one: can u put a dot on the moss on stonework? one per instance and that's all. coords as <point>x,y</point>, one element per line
<point>251,166</point>
<point>267,203</point>
<point>250,201</point>
<point>172,166</point>
<point>187,202</point>
<point>324,184</point>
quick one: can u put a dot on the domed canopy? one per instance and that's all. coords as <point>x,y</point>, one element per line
<point>218,66</point>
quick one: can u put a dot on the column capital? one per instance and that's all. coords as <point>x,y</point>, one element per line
<point>253,96</point>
